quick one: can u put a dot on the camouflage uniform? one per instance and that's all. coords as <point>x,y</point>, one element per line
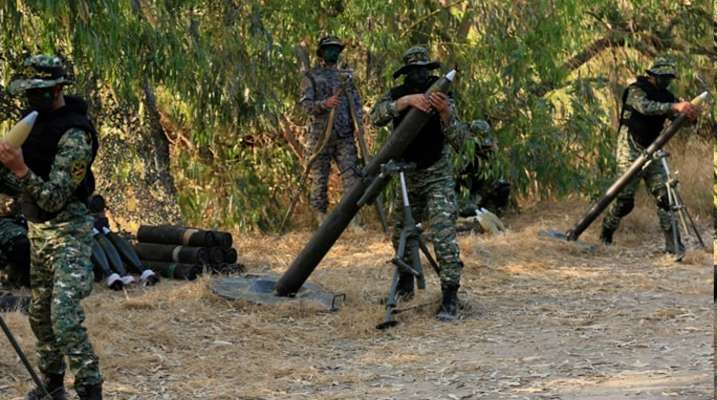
<point>61,273</point>
<point>474,190</point>
<point>628,150</point>
<point>14,243</point>
<point>320,83</point>
<point>431,190</point>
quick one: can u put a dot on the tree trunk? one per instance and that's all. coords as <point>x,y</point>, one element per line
<point>133,164</point>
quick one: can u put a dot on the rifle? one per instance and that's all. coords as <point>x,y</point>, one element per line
<point>307,168</point>
<point>363,147</point>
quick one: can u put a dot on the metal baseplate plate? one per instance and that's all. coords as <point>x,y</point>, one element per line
<point>259,289</point>
<point>561,235</point>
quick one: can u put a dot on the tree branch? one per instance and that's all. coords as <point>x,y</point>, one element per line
<point>650,44</point>
<point>591,51</point>
<point>428,16</point>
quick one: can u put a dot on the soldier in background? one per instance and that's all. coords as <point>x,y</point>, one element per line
<point>646,105</point>
<point>320,93</point>
<point>474,190</point>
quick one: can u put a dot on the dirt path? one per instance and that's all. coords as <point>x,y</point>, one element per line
<point>543,319</point>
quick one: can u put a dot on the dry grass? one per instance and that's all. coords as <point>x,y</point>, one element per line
<point>692,160</point>
<point>532,305</point>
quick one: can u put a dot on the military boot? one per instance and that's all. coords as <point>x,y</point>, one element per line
<point>91,392</point>
<point>671,247</point>
<point>55,385</point>
<point>606,236</point>
<point>449,306</point>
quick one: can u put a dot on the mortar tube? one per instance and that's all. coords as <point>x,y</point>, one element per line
<point>612,192</point>
<point>127,253</point>
<point>113,257</point>
<point>99,258</point>
<point>336,222</point>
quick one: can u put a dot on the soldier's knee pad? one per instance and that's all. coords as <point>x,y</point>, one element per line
<point>624,206</point>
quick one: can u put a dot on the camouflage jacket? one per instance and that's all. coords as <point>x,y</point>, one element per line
<point>74,153</point>
<point>637,99</point>
<point>455,132</point>
<point>319,84</point>
<point>645,110</point>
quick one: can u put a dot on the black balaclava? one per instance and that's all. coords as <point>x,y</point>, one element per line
<point>417,77</point>
<point>40,99</point>
<point>663,81</point>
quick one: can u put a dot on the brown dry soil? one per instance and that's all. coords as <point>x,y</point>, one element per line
<point>542,319</point>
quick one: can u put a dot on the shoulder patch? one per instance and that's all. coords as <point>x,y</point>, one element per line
<point>79,168</point>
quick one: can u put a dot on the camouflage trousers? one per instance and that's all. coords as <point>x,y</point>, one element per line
<point>61,277</point>
<point>431,193</point>
<point>654,177</point>
<point>14,252</point>
<point>343,151</point>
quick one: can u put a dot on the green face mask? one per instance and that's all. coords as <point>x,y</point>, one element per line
<point>330,54</point>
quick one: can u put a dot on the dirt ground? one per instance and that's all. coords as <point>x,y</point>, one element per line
<point>542,319</point>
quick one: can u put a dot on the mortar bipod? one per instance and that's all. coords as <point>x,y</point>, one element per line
<point>679,215</point>
<point>410,242</point>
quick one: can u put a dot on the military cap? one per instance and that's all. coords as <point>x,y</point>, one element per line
<point>329,41</point>
<point>413,57</point>
<point>39,71</point>
<point>663,66</point>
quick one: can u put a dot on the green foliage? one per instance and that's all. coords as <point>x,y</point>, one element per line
<point>227,77</point>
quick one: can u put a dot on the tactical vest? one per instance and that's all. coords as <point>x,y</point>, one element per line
<point>427,147</point>
<point>40,149</point>
<point>644,129</point>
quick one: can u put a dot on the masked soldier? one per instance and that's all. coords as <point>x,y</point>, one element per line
<point>474,190</point>
<point>431,186</point>
<point>53,173</point>
<point>322,90</point>
<point>646,105</point>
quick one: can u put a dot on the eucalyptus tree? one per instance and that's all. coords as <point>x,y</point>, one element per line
<point>197,99</point>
